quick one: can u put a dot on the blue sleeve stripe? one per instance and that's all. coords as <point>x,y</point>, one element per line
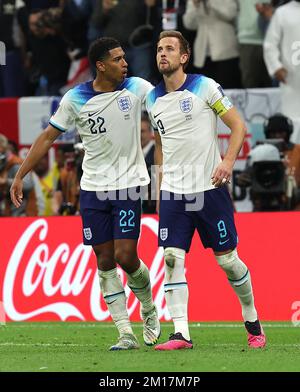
<point>57,126</point>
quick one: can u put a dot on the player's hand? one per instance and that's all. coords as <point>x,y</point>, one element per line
<point>281,75</point>
<point>222,174</point>
<point>16,192</point>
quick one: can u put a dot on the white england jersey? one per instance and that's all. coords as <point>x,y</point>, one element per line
<point>109,125</point>
<point>186,120</point>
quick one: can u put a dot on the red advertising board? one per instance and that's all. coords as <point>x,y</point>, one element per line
<point>47,274</point>
<point>9,119</point>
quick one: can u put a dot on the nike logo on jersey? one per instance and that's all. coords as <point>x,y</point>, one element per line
<point>223,242</point>
<point>109,303</point>
<point>126,230</point>
<point>156,115</point>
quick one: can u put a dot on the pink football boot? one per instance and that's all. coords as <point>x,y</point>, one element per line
<point>176,342</point>
<point>256,336</point>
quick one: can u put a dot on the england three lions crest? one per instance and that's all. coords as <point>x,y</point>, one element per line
<point>164,234</point>
<point>124,104</point>
<point>186,105</point>
<point>87,233</point>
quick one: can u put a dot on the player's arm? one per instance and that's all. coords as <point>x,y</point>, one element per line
<point>39,148</point>
<point>158,161</point>
<point>235,123</point>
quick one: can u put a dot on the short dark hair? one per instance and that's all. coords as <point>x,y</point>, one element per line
<point>278,122</point>
<point>99,49</point>
<point>184,44</point>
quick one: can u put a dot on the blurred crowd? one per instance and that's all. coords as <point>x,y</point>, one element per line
<point>47,40</point>
<point>49,189</point>
<point>239,43</point>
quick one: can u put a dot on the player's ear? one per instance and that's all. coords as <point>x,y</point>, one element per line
<point>100,66</point>
<point>184,58</point>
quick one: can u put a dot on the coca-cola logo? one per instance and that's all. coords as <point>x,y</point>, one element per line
<point>47,277</point>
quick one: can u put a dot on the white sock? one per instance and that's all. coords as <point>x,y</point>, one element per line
<point>239,278</point>
<point>139,283</point>
<point>114,296</point>
<point>176,290</point>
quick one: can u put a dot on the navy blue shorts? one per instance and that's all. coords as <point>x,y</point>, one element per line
<point>214,221</point>
<point>107,216</point>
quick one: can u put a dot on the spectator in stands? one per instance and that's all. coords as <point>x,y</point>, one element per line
<point>75,33</point>
<point>66,197</point>
<point>168,15</point>
<point>250,37</point>
<point>216,52</point>
<point>74,29</point>
<point>148,146</point>
<point>11,75</point>
<point>282,56</point>
<point>266,11</point>
<point>46,49</point>
<point>86,8</point>
<point>46,186</point>
<point>119,19</point>
<point>9,165</point>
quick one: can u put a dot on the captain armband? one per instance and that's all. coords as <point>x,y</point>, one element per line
<point>222,106</point>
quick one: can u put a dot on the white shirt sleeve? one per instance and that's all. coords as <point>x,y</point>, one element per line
<point>214,92</point>
<point>145,88</point>
<point>272,45</point>
<point>216,98</point>
<point>148,107</point>
<point>64,117</point>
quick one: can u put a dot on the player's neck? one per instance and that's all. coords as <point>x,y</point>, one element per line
<point>174,81</point>
<point>104,86</point>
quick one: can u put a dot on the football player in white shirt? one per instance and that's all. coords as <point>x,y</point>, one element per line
<point>107,114</point>
<point>183,109</point>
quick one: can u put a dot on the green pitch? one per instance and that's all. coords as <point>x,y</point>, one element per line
<point>47,347</point>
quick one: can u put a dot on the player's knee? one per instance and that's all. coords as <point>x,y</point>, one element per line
<point>105,260</point>
<point>233,266</point>
<point>170,257</point>
<point>125,256</point>
<point>174,261</point>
